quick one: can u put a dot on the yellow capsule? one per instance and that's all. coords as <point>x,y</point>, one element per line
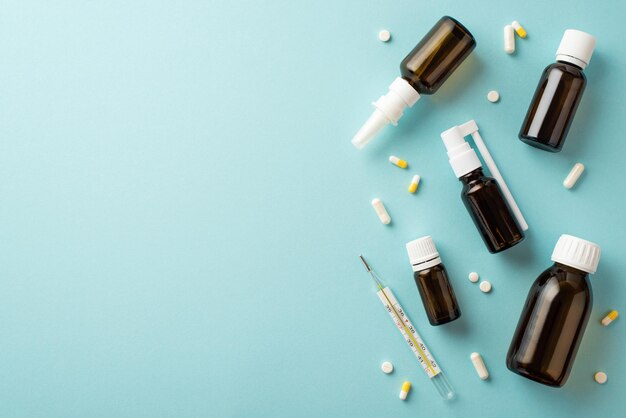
<point>521,32</point>
<point>609,318</point>
<point>406,387</point>
<point>397,161</point>
<point>414,183</point>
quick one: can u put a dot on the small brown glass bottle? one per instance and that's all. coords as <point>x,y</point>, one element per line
<point>484,197</point>
<point>423,71</point>
<point>437,55</point>
<point>555,314</point>
<point>558,94</point>
<point>490,211</point>
<point>432,282</point>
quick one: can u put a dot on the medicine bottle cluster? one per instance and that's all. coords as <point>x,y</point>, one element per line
<point>558,305</point>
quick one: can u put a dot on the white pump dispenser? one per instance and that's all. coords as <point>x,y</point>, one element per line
<point>389,108</point>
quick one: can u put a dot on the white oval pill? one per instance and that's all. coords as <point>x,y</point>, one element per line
<point>386,367</point>
<point>509,39</point>
<point>485,286</point>
<point>573,175</point>
<point>384,35</point>
<point>479,365</point>
<point>381,211</point>
<point>600,377</point>
<point>493,96</point>
<point>473,277</point>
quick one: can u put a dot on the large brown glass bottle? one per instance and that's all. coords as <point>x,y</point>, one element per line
<point>432,282</point>
<point>555,315</point>
<point>558,94</point>
<point>490,211</point>
<point>437,55</point>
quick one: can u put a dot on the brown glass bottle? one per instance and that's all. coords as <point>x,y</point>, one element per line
<point>551,326</point>
<point>553,106</point>
<point>432,282</point>
<point>437,55</point>
<point>490,211</point>
<point>437,295</point>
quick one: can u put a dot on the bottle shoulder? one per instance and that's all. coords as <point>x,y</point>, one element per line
<point>476,182</point>
<point>436,270</point>
<point>563,279</point>
<point>564,70</point>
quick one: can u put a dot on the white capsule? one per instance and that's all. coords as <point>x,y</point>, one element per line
<point>386,367</point>
<point>573,175</point>
<point>381,211</point>
<point>479,365</point>
<point>473,277</point>
<point>509,39</point>
<point>600,377</point>
<point>384,35</point>
<point>493,96</point>
<point>485,286</point>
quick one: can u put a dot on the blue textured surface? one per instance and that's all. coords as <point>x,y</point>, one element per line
<point>182,209</point>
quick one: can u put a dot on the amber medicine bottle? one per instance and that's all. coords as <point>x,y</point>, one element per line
<point>432,282</point>
<point>558,94</point>
<point>555,314</point>
<point>423,71</point>
<point>488,201</point>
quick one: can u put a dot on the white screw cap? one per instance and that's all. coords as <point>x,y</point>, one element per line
<point>576,47</point>
<point>576,252</point>
<point>421,249</point>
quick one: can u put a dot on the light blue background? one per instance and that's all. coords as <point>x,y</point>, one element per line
<point>182,209</point>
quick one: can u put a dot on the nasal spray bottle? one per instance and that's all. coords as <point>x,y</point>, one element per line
<point>423,71</point>
<point>488,200</point>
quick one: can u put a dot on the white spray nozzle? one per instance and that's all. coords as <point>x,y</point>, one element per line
<point>389,109</point>
<point>463,160</point>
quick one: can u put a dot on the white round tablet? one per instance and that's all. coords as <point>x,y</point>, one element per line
<point>384,35</point>
<point>493,96</point>
<point>600,377</point>
<point>473,277</point>
<point>485,286</point>
<point>386,367</point>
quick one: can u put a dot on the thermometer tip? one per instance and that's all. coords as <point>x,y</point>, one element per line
<point>365,263</point>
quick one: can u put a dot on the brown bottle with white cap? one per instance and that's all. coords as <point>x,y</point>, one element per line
<point>555,314</point>
<point>432,282</point>
<point>558,94</point>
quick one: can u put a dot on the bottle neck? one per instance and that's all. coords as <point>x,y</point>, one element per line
<point>571,269</point>
<point>472,176</point>
<point>574,62</point>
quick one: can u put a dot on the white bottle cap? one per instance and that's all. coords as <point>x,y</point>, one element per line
<point>423,253</point>
<point>463,158</point>
<point>576,47</point>
<point>389,108</point>
<point>576,252</point>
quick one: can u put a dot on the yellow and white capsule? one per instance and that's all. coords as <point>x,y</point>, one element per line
<point>611,316</point>
<point>406,387</point>
<point>414,183</point>
<point>381,211</point>
<point>521,32</point>
<point>398,161</point>
<point>509,39</point>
